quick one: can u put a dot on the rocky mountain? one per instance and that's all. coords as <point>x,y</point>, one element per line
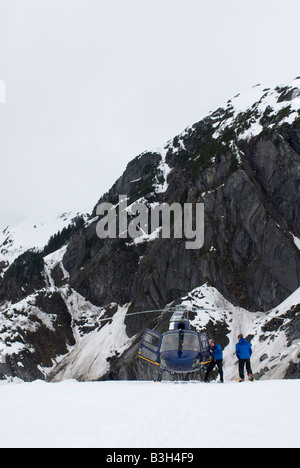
<point>242,162</point>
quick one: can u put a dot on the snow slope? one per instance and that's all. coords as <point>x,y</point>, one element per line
<point>259,100</point>
<point>31,234</point>
<point>271,352</point>
<point>97,342</point>
<point>154,415</point>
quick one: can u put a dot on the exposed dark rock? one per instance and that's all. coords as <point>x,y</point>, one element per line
<point>23,277</point>
<point>43,343</point>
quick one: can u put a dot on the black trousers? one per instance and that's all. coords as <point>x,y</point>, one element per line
<point>219,363</point>
<point>242,363</point>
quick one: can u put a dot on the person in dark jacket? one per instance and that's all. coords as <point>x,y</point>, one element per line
<point>243,353</point>
<point>216,353</point>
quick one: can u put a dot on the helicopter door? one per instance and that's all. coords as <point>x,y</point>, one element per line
<point>204,347</point>
<point>150,347</point>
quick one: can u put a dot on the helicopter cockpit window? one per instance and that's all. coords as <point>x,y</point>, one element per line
<point>204,342</point>
<point>152,340</point>
<point>183,341</point>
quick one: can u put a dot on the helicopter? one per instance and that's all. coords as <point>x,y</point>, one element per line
<point>179,350</point>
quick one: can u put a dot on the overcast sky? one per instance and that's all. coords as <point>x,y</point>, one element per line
<point>90,84</point>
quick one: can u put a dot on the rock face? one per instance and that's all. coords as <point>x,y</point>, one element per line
<point>251,198</point>
<point>244,165</point>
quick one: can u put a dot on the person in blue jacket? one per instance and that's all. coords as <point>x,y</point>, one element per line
<point>216,354</point>
<point>243,351</point>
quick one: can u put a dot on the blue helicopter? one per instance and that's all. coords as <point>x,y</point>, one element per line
<point>179,350</point>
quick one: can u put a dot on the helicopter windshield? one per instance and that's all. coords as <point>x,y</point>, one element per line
<point>180,341</point>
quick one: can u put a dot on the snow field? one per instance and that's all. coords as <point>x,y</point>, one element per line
<point>123,414</point>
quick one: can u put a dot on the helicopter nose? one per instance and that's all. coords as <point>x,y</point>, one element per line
<point>175,361</point>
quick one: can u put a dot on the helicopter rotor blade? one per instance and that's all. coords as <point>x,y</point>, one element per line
<point>166,309</point>
<point>136,313</point>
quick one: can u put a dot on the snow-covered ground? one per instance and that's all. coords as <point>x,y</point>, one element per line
<point>121,414</point>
